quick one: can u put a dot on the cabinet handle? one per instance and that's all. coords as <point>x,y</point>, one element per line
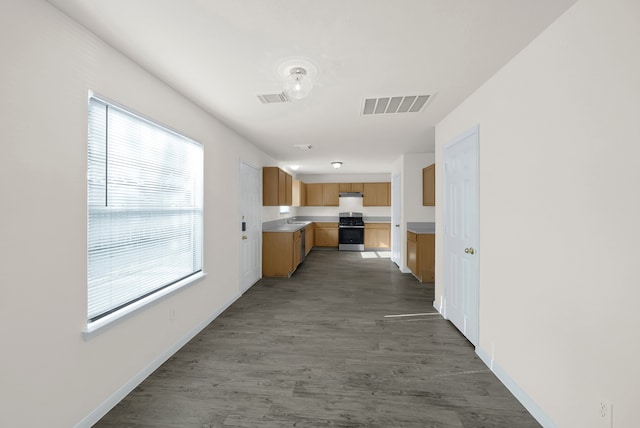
<point>397,225</point>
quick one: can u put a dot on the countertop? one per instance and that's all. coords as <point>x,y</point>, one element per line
<point>285,227</point>
<point>421,228</point>
<point>301,222</point>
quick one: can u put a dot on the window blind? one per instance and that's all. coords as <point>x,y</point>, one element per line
<point>144,208</point>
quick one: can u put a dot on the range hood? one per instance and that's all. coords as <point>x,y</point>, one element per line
<point>350,194</point>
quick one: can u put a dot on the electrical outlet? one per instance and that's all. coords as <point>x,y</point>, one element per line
<point>606,414</point>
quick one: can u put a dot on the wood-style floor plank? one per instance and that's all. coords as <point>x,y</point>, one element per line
<point>316,350</point>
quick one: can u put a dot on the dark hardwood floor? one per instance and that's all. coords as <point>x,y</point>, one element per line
<point>315,350</point>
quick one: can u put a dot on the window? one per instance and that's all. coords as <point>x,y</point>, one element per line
<point>144,208</point>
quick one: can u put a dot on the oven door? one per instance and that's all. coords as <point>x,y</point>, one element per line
<point>351,238</point>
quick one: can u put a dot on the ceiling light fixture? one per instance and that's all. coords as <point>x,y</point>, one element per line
<point>298,83</point>
<point>336,164</point>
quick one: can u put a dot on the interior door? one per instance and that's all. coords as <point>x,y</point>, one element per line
<point>461,233</point>
<point>250,227</point>
<point>396,230</point>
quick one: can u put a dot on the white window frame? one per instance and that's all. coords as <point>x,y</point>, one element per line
<point>159,290</point>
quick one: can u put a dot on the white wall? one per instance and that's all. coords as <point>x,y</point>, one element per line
<point>413,209</point>
<point>50,375</point>
<point>559,210</point>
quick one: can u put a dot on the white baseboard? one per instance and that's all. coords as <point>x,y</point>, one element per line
<point>123,391</point>
<point>515,389</point>
<point>440,307</point>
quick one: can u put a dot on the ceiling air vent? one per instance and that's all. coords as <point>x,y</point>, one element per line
<point>384,105</point>
<point>273,98</point>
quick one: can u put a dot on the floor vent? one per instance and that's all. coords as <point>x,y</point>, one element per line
<point>384,105</point>
<point>273,98</point>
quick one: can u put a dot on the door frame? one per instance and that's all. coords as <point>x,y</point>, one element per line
<point>471,327</point>
<point>396,218</point>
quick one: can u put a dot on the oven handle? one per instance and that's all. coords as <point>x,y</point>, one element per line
<point>350,227</point>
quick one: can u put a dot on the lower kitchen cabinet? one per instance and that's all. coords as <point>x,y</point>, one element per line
<point>421,255</point>
<point>309,238</point>
<point>377,235</point>
<point>281,253</point>
<point>326,234</point>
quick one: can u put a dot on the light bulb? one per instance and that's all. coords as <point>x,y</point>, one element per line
<point>298,83</point>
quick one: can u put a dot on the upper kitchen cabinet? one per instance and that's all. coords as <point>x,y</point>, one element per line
<point>330,193</point>
<point>376,194</point>
<point>276,187</point>
<point>429,186</point>
<point>314,194</point>
<point>299,198</point>
<point>322,194</point>
<point>351,187</point>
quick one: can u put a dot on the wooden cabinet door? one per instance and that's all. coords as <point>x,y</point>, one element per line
<point>429,186</point>
<point>376,194</point>
<point>314,194</point>
<point>277,254</point>
<point>345,187</point>
<point>299,194</point>
<point>412,253</point>
<point>326,235</point>
<point>282,188</point>
<point>330,194</point>
<point>309,238</point>
<point>426,257</point>
<point>288,190</point>
<point>377,235</point>
<point>270,186</point>
<point>357,187</point>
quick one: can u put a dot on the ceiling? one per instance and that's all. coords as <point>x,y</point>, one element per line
<point>221,54</point>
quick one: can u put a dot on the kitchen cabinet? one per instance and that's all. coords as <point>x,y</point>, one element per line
<point>429,186</point>
<point>357,187</point>
<point>288,190</point>
<point>322,194</point>
<point>377,235</point>
<point>326,234</point>
<point>314,194</point>
<point>276,187</point>
<point>330,194</point>
<point>281,253</point>
<point>421,255</point>
<point>309,238</point>
<point>299,194</point>
<point>376,194</point>
<point>351,187</point>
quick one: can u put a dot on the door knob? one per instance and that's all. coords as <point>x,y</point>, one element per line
<point>244,237</point>
<point>469,250</point>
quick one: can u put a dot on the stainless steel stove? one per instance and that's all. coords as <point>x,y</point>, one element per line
<point>351,232</point>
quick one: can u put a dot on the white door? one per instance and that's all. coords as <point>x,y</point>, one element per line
<point>250,226</point>
<point>461,233</point>
<point>396,230</point>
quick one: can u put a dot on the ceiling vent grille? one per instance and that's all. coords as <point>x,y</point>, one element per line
<point>385,105</point>
<point>273,98</point>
